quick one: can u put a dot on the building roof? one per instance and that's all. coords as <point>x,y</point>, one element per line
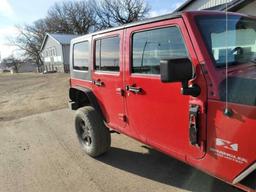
<point>231,6</point>
<point>63,39</point>
<point>184,5</point>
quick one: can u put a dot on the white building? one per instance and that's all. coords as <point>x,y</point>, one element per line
<point>55,51</point>
<point>240,6</point>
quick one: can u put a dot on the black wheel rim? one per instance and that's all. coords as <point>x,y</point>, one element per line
<point>85,134</point>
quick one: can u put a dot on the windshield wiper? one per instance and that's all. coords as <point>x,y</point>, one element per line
<point>223,65</point>
<point>253,60</point>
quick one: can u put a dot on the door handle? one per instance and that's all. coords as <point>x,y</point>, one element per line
<point>98,83</point>
<point>134,89</point>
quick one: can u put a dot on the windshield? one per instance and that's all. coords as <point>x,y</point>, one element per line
<point>239,42</point>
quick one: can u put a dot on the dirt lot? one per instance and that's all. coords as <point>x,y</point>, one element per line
<point>26,94</point>
<point>40,153</point>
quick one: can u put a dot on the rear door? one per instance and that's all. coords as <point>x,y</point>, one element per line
<point>157,110</point>
<point>108,77</point>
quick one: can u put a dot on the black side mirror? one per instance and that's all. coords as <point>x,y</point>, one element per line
<point>179,70</point>
<point>176,70</point>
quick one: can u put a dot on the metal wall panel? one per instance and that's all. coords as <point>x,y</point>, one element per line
<point>204,4</point>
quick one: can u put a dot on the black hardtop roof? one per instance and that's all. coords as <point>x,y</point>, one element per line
<point>145,21</point>
<point>150,20</point>
<point>136,23</point>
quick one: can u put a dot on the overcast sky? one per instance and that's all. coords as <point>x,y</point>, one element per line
<point>19,12</point>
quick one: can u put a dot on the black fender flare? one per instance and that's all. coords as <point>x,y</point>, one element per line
<point>91,97</point>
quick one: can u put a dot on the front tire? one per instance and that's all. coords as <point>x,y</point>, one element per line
<point>93,135</point>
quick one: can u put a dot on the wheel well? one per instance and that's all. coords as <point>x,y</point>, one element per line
<point>79,97</point>
<point>84,97</point>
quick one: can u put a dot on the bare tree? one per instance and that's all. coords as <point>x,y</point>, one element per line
<point>12,62</point>
<point>71,17</point>
<point>112,13</point>
<point>29,40</point>
<point>77,17</point>
<point>67,17</point>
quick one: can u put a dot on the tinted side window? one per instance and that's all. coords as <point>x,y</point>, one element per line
<point>149,47</point>
<point>81,56</point>
<point>107,54</point>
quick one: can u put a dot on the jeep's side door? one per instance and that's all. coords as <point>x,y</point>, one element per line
<point>107,76</point>
<point>158,111</point>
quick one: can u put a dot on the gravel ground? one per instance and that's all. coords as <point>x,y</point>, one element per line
<point>41,153</point>
<point>26,94</point>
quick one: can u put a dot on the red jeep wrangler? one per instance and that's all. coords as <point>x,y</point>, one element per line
<point>184,84</point>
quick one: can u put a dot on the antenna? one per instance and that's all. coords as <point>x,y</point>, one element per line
<point>228,112</point>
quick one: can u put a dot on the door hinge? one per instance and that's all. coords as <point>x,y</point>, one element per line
<point>122,117</point>
<point>120,91</point>
<point>194,111</point>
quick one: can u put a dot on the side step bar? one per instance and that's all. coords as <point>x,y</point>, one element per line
<point>244,174</point>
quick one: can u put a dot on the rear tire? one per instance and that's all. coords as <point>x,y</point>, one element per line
<point>93,135</point>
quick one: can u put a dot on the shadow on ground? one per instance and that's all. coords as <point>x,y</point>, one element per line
<point>164,169</point>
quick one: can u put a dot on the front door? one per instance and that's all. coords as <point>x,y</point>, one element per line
<point>157,110</point>
<point>108,77</point>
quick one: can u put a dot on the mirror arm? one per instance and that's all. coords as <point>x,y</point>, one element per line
<point>193,90</point>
